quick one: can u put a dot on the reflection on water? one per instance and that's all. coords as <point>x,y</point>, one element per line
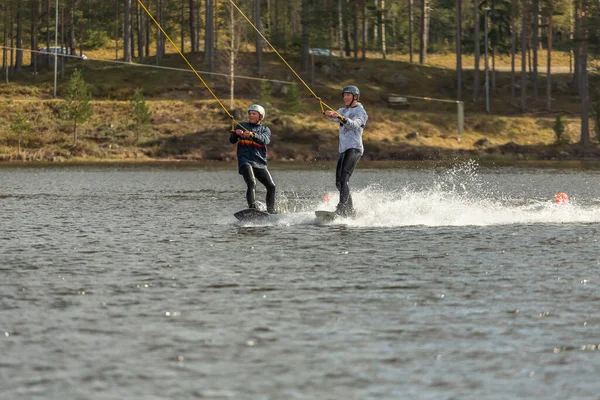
<point>454,282</point>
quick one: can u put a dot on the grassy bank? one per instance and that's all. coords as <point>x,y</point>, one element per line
<point>187,124</point>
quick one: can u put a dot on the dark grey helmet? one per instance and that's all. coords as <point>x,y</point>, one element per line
<point>351,89</point>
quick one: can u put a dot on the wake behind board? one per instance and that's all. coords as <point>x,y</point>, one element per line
<point>326,216</point>
<point>251,214</point>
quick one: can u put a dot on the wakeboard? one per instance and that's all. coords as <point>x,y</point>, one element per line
<point>251,214</point>
<point>326,216</point>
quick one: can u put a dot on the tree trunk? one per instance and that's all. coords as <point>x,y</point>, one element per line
<point>493,48</point>
<point>47,56</point>
<point>209,38</point>
<point>458,49</point>
<point>576,55</point>
<point>157,17</point>
<point>82,31</point>
<point>269,29</point>
<point>347,38</point>
<point>216,28</point>
<point>355,35</point>
<point>5,49</point>
<point>200,25</point>
<point>382,31</point>
<point>530,63</point>
<point>193,26</point>
<point>12,36</point>
<point>62,40</point>
<point>283,39</point>
<point>571,38</point>
<point>161,21</point>
<point>524,58</point>
<point>477,51</point>
<point>147,29</point>
<point>549,64</point>
<point>259,40</point>
<point>140,32</point>
<point>232,60</point>
<point>536,45</point>
<point>583,74</point>
<point>364,29</point>
<point>305,37</point>
<point>513,51</point>
<point>19,57</point>
<point>127,31</point>
<point>494,65</point>
<point>376,25</point>
<point>117,29</point>
<point>72,40</point>
<point>132,26</point>
<point>340,28</point>
<point>410,30</point>
<point>182,26</point>
<point>423,33</point>
<point>276,25</point>
<point>331,32</point>
<point>75,132</point>
<point>34,34</point>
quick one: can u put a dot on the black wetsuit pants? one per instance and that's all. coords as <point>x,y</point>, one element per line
<point>251,175</point>
<point>343,172</point>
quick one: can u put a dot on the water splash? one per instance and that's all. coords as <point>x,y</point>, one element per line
<point>459,197</point>
<point>456,196</point>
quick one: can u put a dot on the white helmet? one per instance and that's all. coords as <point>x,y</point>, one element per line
<point>259,109</point>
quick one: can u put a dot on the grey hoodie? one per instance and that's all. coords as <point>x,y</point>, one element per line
<point>351,132</point>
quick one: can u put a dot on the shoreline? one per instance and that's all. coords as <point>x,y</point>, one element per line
<point>484,162</point>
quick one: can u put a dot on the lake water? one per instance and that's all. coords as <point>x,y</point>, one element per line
<point>136,282</point>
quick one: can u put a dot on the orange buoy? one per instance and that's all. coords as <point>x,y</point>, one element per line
<point>561,198</point>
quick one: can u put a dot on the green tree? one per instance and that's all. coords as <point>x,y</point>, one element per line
<point>20,127</point>
<point>139,113</point>
<point>596,113</point>
<point>78,107</point>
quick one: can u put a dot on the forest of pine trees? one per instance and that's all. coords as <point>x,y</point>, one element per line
<point>350,28</point>
<point>356,27</point>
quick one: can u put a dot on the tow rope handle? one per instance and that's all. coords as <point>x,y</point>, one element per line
<point>341,117</point>
<point>234,123</point>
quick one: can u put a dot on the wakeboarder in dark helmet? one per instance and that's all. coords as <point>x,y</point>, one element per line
<point>352,120</point>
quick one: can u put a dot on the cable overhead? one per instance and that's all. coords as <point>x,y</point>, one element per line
<point>134,64</point>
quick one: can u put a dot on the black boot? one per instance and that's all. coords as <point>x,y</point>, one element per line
<point>271,201</point>
<point>345,210</point>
